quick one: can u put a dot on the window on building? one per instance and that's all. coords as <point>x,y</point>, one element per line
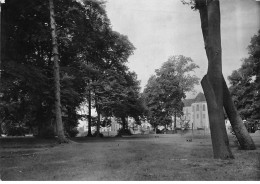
<point>197,109</point>
<point>203,116</point>
<point>193,108</point>
<point>197,116</point>
<point>204,107</point>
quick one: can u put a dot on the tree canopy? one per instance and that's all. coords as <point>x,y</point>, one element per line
<point>92,57</point>
<point>245,82</point>
<point>164,91</point>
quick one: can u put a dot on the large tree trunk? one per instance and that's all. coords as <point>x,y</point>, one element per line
<point>239,128</point>
<point>243,137</point>
<point>212,82</point>
<point>55,58</point>
<point>0,53</point>
<point>217,124</point>
<point>0,65</point>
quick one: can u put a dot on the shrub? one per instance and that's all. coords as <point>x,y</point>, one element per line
<point>47,132</point>
<point>100,134</point>
<point>72,132</point>
<point>15,131</point>
<point>186,126</point>
<point>11,128</point>
<point>121,132</point>
<point>158,131</point>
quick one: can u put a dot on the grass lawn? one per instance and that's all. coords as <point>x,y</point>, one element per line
<point>140,157</point>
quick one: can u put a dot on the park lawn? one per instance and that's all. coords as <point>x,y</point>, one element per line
<point>139,157</point>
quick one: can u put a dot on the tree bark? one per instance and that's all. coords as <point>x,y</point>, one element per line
<point>242,135</point>
<point>212,82</point>
<point>219,137</point>
<point>55,58</point>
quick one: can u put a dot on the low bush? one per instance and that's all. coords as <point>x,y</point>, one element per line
<point>158,131</point>
<point>15,131</point>
<point>100,134</point>
<point>72,133</point>
<point>121,132</point>
<point>47,132</point>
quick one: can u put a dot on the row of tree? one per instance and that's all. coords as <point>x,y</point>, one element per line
<point>90,65</point>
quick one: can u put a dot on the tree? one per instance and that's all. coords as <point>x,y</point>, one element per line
<point>254,52</point>
<point>55,59</point>
<point>87,46</point>
<point>244,83</point>
<point>165,90</point>
<point>125,99</point>
<point>243,88</point>
<point>214,86</point>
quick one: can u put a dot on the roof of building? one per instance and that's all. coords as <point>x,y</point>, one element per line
<point>188,102</point>
<point>199,98</point>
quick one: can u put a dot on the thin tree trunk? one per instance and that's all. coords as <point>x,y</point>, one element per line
<point>55,58</point>
<point>98,124</point>
<point>175,122</point>
<point>89,114</point>
<point>123,123</point>
<point>126,123</point>
<point>212,83</point>
<point>243,137</point>
<point>98,114</point>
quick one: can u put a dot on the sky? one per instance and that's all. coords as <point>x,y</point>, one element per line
<point>162,28</point>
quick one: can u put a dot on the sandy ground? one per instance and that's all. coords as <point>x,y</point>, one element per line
<point>139,157</point>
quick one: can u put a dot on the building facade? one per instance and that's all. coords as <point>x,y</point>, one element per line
<point>196,112</point>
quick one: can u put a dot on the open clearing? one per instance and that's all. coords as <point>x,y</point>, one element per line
<point>139,157</point>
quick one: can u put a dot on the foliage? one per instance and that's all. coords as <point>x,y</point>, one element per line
<point>122,131</point>
<point>92,58</point>
<point>11,129</point>
<point>245,83</point>
<point>72,132</point>
<point>98,133</point>
<point>164,92</point>
<point>46,132</point>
